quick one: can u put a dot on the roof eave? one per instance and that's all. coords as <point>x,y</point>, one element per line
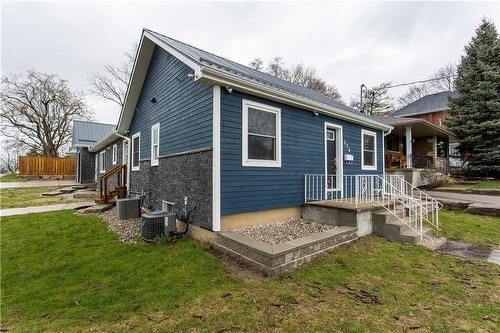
<point>255,88</point>
<point>113,136</point>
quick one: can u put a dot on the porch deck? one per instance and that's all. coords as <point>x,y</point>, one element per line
<point>357,207</point>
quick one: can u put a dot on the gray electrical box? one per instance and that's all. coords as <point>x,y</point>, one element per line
<point>170,223</point>
<point>128,208</point>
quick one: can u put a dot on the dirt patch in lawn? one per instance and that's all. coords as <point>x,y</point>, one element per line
<point>238,269</point>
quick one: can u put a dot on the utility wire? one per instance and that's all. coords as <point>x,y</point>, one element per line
<point>421,81</point>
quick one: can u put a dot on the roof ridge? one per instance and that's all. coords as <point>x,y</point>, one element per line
<point>93,122</point>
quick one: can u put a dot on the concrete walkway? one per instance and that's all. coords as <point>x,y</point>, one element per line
<point>37,183</point>
<point>42,209</point>
<point>472,198</point>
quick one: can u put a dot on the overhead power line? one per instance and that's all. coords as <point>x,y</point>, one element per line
<point>421,81</point>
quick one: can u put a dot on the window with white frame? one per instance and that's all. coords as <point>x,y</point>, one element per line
<point>136,143</point>
<point>368,150</point>
<point>102,161</point>
<point>155,144</point>
<point>261,140</point>
<point>125,152</point>
<point>115,154</point>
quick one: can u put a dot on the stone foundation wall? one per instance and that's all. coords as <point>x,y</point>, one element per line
<point>87,166</point>
<point>178,176</point>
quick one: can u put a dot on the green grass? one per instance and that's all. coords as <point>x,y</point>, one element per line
<point>30,196</point>
<point>475,229</point>
<point>62,272</point>
<point>11,177</point>
<point>490,184</point>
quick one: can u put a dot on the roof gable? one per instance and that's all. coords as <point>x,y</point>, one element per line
<point>213,69</point>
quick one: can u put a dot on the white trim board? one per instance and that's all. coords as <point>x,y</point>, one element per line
<point>216,129</point>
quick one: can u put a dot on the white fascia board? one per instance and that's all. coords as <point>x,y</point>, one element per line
<point>257,89</point>
<point>104,142</point>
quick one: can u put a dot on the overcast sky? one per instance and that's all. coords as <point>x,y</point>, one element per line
<point>348,43</point>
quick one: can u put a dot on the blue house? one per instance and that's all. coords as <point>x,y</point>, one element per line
<point>242,146</point>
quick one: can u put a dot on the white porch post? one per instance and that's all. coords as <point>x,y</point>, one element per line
<point>409,153</point>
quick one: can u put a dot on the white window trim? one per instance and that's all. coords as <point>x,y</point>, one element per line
<point>155,162</point>
<point>363,166</point>
<point>339,132</point>
<point>245,161</point>
<point>102,167</point>
<point>138,167</point>
<point>125,152</point>
<point>115,154</point>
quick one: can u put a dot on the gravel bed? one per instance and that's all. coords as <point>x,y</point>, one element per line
<point>276,233</point>
<point>128,230</point>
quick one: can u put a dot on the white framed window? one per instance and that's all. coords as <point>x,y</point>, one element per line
<point>261,129</point>
<point>102,161</point>
<point>125,152</point>
<point>115,154</point>
<point>368,150</point>
<point>155,144</point>
<point>136,151</point>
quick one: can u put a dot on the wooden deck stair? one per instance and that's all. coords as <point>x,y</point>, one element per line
<point>120,190</point>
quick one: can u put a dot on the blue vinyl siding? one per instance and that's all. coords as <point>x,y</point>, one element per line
<point>183,108</point>
<point>245,189</point>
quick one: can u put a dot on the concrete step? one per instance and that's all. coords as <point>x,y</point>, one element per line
<point>432,242</point>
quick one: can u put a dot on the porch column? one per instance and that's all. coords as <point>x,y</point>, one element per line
<point>409,152</point>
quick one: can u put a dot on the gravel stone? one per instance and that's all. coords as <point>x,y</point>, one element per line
<point>276,233</point>
<point>128,230</point>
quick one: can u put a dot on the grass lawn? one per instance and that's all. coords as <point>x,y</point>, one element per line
<point>11,177</point>
<point>26,197</point>
<point>475,229</point>
<point>490,184</point>
<point>62,272</point>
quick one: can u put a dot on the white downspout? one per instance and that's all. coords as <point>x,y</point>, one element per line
<point>128,160</point>
<point>383,150</point>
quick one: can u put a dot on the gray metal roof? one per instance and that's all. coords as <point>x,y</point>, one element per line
<point>87,133</point>
<point>208,59</point>
<point>427,104</point>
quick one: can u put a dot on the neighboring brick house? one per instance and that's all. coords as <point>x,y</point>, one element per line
<point>85,136</point>
<point>232,141</point>
<point>433,108</point>
<point>422,123</point>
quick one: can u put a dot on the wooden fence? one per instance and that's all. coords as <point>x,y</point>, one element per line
<point>40,166</point>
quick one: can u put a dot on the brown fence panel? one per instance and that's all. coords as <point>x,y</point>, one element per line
<point>40,166</point>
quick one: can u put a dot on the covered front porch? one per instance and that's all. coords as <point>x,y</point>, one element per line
<point>416,144</point>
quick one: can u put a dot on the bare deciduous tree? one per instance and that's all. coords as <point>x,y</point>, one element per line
<point>11,150</point>
<point>299,74</point>
<point>38,109</point>
<point>442,80</point>
<point>376,100</point>
<point>414,93</point>
<point>111,81</point>
<point>257,64</point>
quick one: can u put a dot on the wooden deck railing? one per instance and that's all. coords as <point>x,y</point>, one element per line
<point>120,188</point>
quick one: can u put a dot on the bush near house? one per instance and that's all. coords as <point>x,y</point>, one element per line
<point>68,273</point>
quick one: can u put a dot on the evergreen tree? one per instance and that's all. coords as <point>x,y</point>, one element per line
<point>476,110</point>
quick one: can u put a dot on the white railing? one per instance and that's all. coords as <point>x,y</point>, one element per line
<point>407,203</point>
